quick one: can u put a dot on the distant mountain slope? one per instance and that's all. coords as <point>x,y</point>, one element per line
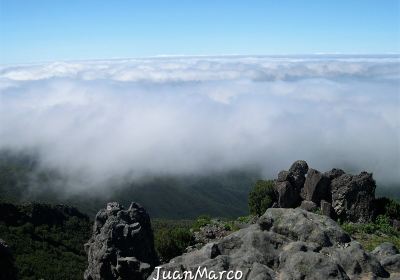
<point>221,194</point>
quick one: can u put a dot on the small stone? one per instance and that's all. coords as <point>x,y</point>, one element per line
<point>308,206</point>
<point>326,208</point>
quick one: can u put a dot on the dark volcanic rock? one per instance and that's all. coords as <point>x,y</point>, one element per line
<point>326,208</point>
<point>353,197</point>
<point>284,244</point>
<point>316,187</point>
<point>334,173</point>
<point>298,171</point>
<point>122,245</point>
<point>7,268</point>
<point>284,176</point>
<point>301,261</point>
<point>389,257</point>
<point>288,195</point>
<point>348,197</point>
<point>290,183</point>
<point>384,250</point>
<point>392,264</point>
<point>355,261</point>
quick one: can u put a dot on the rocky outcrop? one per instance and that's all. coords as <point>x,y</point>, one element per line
<point>316,187</point>
<point>7,268</point>
<point>297,172</point>
<point>288,196</point>
<point>389,257</point>
<point>284,244</point>
<point>337,194</point>
<point>290,183</point>
<point>353,197</point>
<point>122,244</point>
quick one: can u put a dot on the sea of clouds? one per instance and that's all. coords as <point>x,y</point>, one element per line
<point>106,119</point>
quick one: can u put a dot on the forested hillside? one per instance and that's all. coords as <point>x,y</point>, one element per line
<point>46,241</point>
<point>188,196</point>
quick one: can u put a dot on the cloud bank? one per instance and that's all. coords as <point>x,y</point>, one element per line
<point>187,115</point>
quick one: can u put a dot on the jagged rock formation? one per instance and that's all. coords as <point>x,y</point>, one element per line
<point>7,267</point>
<point>339,195</point>
<point>316,187</point>
<point>353,196</point>
<point>284,244</point>
<point>122,245</point>
<point>290,184</point>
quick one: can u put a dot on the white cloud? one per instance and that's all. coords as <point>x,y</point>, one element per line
<point>103,119</point>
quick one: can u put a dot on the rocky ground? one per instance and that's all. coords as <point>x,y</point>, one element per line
<point>292,244</point>
<point>282,244</point>
<point>288,242</point>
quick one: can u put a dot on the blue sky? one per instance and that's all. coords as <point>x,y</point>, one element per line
<point>47,30</point>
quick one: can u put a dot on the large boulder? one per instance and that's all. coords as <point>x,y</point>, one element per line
<point>284,244</point>
<point>290,183</point>
<point>334,173</point>
<point>353,197</point>
<point>298,172</point>
<point>7,267</point>
<point>288,196</point>
<point>316,187</point>
<point>384,250</point>
<point>389,257</point>
<point>122,244</point>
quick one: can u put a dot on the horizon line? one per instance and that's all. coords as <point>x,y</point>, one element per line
<point>160,56</point>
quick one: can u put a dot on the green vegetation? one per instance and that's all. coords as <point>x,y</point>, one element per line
<point>45,250</point>
<point>201,221</point>
<point>388,207</point>
<point>171,237</point>
<point>380,225</point>
<point>172,242</point>
<point>261,197</point>
<point>372,234</point>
